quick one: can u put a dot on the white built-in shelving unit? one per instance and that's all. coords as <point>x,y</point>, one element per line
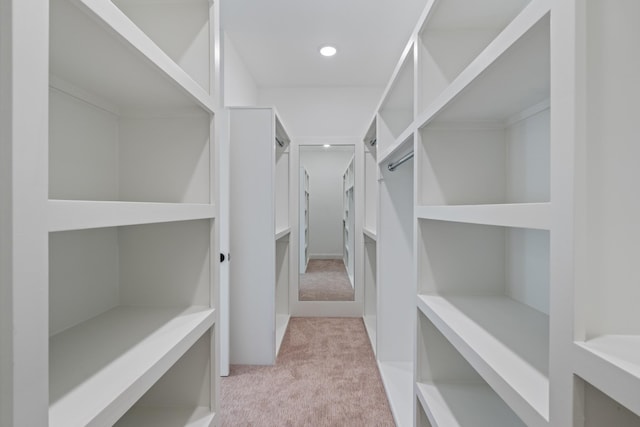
<point>388,247</point>
<point>304,220</point>
<point>369,229</point>
<point>132,287</point>
<point>260,230</point>
<point>599,203</point>
<point>349,220</point>
<point>483,186</point>
<point>523,302</point>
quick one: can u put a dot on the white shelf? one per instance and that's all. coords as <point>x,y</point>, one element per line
<point>512,72</point>
<point>282,321</point>
<point>397,378</point>
<point>612,364</point>
<point>464,405</point>
<point>370,233</point>
<point>167,417</point>
<point>100,368</point>
<point>522,215</point>
<point>282,233</point>
<point>144,76</point>
<point>83,214</point>
<point>505,341</point>
<point>403,143</point>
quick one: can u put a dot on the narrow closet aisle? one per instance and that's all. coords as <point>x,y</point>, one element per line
<point>325,375</point>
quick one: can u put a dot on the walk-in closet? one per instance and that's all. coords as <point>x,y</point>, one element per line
<point>366,213</point>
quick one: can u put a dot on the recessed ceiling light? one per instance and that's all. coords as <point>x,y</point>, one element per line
<point>328,51</point>
<point>327,145</point>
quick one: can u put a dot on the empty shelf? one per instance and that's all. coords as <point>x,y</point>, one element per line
<point>397,378</point>
<point>101,367</point>
<point>505,341</point>
<point>80,214</point>
<point>167,417</point>
<point>612,364</point>
<point>465,405</point>
<point>522,215</point>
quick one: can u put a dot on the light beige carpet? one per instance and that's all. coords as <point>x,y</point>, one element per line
<point>325,280</point>
<point>325,375</point>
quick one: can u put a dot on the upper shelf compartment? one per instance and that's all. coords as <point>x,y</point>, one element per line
<point>453,35</point>
<point>396,112</point>
<point>182,29</point>
<point>98,50</point>
<point>510,76</point>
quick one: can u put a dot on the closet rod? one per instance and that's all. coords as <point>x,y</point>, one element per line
<point>393,166</point>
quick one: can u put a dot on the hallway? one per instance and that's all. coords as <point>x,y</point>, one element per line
<point>325,375</point>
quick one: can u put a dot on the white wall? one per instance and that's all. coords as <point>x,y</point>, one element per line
<point>239,86</point>
<point>325,168</point>
<point>323,111</point>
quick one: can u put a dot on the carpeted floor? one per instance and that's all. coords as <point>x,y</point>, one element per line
<point>325,280</point>
<point>325,375</point>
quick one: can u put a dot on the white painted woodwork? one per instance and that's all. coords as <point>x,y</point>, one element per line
<point>89,36</point>
<point>600,409</point>
<point>67,215</point>
<point>521,215</point>
<point>23,195</point>
<point>395,284</point>
<point>475,165</point>
<point>371,191</point>
<point>260,235</point>
<point>449,391</point>
<point>453,35</point>
<point>396,112</point>
<point>199,416</point>
<point>370,290</point>
<point>101,367</point>
<point>599,205</point>
<point>109,152</point>
<point>612,362</point>
<point>369,229</point>
<point>181,29</point>
<point>187,389</point>
<point>397,378</point>
<point>109,218</point>
<point>505,341</point>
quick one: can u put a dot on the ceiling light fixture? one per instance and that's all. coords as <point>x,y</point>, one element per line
<point>328,51</point>
<point>327,145</point>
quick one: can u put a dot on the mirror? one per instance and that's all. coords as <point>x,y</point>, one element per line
<point>327,223</point>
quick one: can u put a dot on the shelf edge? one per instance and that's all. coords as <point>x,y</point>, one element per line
<point>531,414</point>
<point>67,215</point>
<point>607,376</point>
<point>518,215</point>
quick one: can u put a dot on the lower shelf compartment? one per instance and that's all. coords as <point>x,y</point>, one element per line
<point>505,341</point>
<point>612,363</point>
<point>464,405</point>
<point>397,378</point>
<point>168,417</point>
<point>101,367</point>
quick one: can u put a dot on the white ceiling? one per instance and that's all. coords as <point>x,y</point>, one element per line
<point>279,39</point>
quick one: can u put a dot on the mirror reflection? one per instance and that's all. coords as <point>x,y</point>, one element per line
<point>327,223</point>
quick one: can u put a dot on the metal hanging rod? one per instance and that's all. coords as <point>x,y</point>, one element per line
<point>394,165</point>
